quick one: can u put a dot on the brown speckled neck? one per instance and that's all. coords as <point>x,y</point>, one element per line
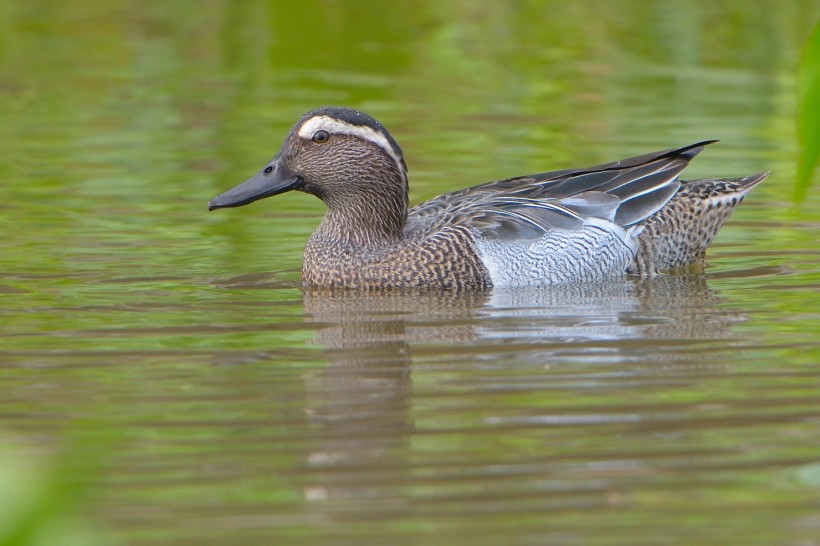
<point>364,219</point>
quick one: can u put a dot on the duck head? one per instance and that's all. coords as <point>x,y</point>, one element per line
<point>341,155</point>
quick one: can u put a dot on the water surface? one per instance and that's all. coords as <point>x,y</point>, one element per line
<point>218,403</point>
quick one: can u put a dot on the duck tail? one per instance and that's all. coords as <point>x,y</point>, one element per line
<point>680,232</point>
<point>750,182</point>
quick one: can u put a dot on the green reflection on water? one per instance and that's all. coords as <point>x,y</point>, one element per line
<point>681,415</point>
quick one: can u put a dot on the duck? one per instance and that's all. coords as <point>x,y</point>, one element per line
<point>633,217</point>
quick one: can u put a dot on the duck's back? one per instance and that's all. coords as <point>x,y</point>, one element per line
<point>581,225</point>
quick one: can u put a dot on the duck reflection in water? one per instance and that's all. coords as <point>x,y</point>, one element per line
<point>362,401</point>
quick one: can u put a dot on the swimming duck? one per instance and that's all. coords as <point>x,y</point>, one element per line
<point>633,216</point>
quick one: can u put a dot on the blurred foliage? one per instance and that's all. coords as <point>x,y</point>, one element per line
<point>41,502</point>
<point>808,121</point>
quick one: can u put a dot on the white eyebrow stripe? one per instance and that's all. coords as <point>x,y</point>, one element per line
<point>335,126</point>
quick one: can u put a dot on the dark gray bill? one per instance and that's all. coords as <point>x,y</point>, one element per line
<point>271,180</point>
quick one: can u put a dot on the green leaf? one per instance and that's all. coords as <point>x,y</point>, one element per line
<point>808,120</point>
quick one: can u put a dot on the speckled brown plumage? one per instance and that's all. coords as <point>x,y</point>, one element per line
<point>679,233</point>
<point>446,259</point>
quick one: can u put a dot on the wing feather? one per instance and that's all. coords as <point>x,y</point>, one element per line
<point>526,207</point>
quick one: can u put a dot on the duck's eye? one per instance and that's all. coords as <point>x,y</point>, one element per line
<point>320,136</point>
<point>268,169</point>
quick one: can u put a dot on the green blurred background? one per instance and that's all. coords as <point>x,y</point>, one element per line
<point>121,119</point>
